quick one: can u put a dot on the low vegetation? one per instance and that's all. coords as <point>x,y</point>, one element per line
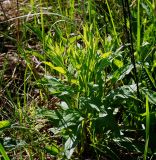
<point>78,80</point>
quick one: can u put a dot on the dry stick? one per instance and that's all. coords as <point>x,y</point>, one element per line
<point>129,37</point>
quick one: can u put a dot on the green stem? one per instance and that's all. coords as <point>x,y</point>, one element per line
<point>110,14</point>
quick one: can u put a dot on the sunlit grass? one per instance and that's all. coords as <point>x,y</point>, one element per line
<point>77,96</point>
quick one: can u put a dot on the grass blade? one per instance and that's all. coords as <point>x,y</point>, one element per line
<point>110,14</point>
<point>147,128</point>
<point>3,152</point>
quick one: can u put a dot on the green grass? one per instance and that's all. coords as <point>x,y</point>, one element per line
<point>74,93</point>
<point>3,152</point>
<point>147,128</point>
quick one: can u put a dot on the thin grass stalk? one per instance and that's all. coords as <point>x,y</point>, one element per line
<point>33,9</point>
<point>42,27</point>
<point>19,111</point>
<point>89,10</point>
<point>60,7</point>
<point>147,128</point>
<point>28,151</point>
<point>25,94</point>
<point>42,23</point>
<point>112,21</point>
<point>20,155</point>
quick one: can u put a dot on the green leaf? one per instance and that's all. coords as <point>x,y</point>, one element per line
<point>74,38</point>
<point>64,105</point>
<point>149,4</point>
<point>151,95</point>
<point>70,146</point>
<point>150,76</point>
<point>59,69</point>
<point>4,124</point>
<point>106,55</point>
<point>53,150</point>
<point>120,94</point>
<point>94,107</point>
<point>120,73</point>
<point>118,63</point>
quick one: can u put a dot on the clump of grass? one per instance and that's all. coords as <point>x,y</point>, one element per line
<point>77,93</point>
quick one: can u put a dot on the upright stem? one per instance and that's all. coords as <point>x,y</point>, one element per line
<point>138,28</point>
<point>110,14</point>
<point>127,15</point>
